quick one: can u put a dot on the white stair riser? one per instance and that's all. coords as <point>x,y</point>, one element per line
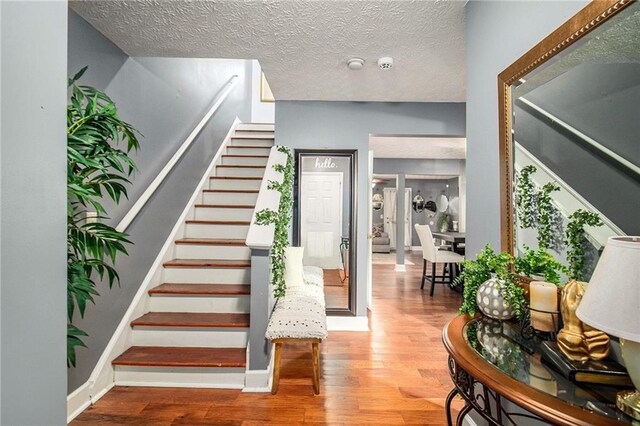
<point>255,132</point>
<point>216,231</point>
<point>237,304</point>
<point>221,213</point>
<point>207,275</point>
<point>244,161</point>
<point>265,150</point>
<point>239,171</point>
<point>251,142</point>
<point>235,184</point>
<point>228,378</point>
<point>206,251</point>
<point>268,127</point>
<point>230,198</point>
<point>192,337</point>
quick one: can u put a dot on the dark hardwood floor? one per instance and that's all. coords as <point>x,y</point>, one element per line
<point>395,374</point>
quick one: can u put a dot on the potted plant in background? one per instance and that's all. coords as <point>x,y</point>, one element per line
<point>444,221</point>
<point>491,286</point>
<point>540,265</point>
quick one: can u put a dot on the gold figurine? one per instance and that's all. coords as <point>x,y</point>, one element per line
<point>578,341</point>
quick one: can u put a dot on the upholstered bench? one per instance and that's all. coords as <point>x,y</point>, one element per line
<point>299,317</point>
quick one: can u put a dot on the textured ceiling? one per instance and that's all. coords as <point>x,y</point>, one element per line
<point>303,45</point>
<point>418,147</point>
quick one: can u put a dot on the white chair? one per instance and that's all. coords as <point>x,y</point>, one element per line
<point>431,253</point>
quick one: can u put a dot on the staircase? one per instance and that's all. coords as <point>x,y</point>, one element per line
<point>197,327</point>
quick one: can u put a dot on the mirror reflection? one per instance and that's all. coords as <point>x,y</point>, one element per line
<point>576,154</point>
<point>325,218</point>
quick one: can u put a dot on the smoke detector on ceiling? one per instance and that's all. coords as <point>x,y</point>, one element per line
<point>355,64</point>
<point>385,63</point>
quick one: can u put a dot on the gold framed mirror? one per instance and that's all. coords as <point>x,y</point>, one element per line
<point>561,117</point>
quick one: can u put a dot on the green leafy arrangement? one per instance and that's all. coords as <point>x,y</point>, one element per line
<point>525,197</point>
<point>539,262</point>
<point>444,221</point>
<point>95,167</point>
<point>544,209</point>
<point>575,240</point>
<point>475,272</point>
<point>281,219</point>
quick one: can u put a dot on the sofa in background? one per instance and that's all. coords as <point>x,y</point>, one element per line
<point>380,240</point>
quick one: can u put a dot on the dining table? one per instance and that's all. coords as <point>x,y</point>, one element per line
<point>455,238</point>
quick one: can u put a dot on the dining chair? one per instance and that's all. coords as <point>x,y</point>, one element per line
<point>430,253</point>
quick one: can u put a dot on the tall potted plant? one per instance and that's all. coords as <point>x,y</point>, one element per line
<point>96,167</point>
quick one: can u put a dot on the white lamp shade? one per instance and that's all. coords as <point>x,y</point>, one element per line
<point>611,302</point>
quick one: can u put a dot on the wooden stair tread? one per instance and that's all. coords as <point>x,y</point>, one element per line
<point>233,191</point>
<point>162,356</point>
<point>207,263</point>
<point>202,289</point>
<point>218,222</point>
<point>248,147</point>
<point>236,177</point>
<point>211,241</point>
<point>240,166</point>
<point>192,319</point>
<point>225,206</point>
<point>245,156</point>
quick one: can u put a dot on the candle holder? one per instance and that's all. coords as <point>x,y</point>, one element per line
<point>528,331</point>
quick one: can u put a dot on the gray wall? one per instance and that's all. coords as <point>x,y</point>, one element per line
<point>164,98</point>
<point>497,34</point>
<point>33,213</point>
<point>430,190</point>
<point>347,125</point>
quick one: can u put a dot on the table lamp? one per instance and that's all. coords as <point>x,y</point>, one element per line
<point>611,303</point>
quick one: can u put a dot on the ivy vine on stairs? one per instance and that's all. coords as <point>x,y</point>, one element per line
<point>281,219</point>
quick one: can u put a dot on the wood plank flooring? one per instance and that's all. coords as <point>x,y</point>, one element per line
<point>395,374</point>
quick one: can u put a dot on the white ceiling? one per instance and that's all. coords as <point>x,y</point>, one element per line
<point>418,147</point>
<point>303,45</point>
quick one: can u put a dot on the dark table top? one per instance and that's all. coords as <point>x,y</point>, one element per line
<point>453,237</point>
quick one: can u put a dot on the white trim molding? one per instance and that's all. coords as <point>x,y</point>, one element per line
<point>336,323</point>
<point>103,375</point>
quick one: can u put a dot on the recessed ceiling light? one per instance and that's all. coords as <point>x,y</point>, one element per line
<point>385,63</point>
<point>355,64</point>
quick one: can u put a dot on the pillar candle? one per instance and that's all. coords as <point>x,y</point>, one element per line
<point>543,297</point>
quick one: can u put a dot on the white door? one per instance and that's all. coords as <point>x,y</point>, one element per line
<point>408,205</point>
<point>389,195</point>
<point>369,236</point>
<point>321,219</point>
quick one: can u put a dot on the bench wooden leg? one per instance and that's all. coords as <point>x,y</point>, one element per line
<point>276,369</point>
<point>316,367</point>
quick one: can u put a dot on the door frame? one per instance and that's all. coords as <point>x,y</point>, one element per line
<point>352,154</point>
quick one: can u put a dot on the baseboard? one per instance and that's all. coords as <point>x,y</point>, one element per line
<point>81,399</point>
<point>400,268</point>
<point>259,381</point>
<point>102,376</point>
<point>335,323</point>
<point>416,248</point>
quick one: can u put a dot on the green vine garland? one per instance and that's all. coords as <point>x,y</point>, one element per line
<point>544,208</point>
<point>281,219</point>
<point>575,240</point>
<point>525,197</point>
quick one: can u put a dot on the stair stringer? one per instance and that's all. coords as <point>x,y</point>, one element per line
<point>102,378</point>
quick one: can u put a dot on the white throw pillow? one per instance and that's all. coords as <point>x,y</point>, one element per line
<point>293,272</point>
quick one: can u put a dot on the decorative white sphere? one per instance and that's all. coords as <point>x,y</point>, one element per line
<point>491,302</point>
